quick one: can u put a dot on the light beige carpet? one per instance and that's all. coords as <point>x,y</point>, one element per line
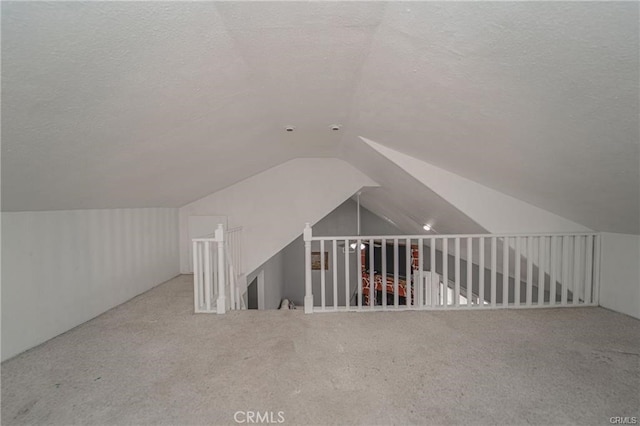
<point>152,361</point>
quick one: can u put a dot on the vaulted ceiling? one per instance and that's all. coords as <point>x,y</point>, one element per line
<point>134,104</point>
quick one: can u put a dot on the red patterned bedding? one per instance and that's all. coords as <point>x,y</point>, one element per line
<point>389,288</point>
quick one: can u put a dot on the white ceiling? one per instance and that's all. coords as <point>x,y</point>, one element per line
<point>134,104</point>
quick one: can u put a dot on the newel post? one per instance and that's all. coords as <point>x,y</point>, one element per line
<point>308,295</point>
<point>221,302</point>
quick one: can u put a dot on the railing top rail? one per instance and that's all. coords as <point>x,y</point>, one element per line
<point>211,237</point>
<point>441,236</point>
<point>217,236</point>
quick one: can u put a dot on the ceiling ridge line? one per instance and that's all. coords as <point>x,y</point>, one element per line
<point>358,79</point>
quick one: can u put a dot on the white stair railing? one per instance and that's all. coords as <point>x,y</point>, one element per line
<point>216,272</point>
<point>488,271</point>
<point>209,273</point>
<point>237,285</point>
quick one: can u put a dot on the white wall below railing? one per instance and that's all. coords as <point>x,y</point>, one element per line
<point>620,288</point>
<point>62,268</point>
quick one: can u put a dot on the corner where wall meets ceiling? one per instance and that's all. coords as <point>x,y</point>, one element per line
<point>495,211</point>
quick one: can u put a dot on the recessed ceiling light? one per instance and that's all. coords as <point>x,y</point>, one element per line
<point>289,128</point>
<point>335,127</point>
<point>427,227</point>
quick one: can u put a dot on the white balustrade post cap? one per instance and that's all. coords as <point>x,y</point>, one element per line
<point>219,235</point>
<point>308,233</point>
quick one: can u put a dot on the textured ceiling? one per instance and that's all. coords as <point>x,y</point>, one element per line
<point>133,104</point>
<point>538,100</point>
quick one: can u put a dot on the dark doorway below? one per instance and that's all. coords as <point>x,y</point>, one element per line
<point>252,294</point>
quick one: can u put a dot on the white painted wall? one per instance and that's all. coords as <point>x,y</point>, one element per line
<point>491,209</point>
<point>273,280</point>
<point>620,273</point>
<point>62,268</point>
<point>273,206</point>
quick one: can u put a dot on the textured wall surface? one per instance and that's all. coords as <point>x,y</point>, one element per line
<point>62,268</point>
<point>272,207</point>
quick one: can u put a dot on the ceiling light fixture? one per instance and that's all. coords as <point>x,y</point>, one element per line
<point>335,127</point>
<point>289,128</point>
<point>427,227</point>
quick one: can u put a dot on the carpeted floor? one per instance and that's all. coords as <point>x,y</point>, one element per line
<point>152,361</point>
